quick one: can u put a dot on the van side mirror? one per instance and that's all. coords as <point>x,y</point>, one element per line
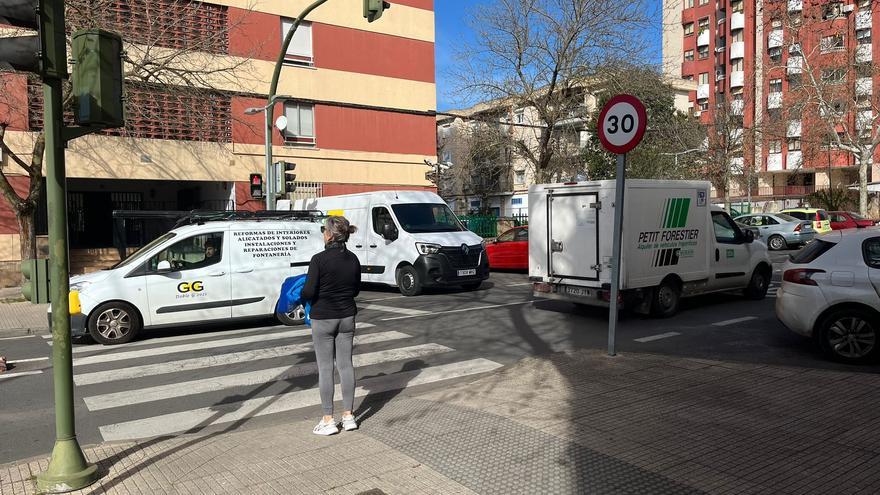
<point>750,236</point>
<point>389,232</point>
<point>163,267</point>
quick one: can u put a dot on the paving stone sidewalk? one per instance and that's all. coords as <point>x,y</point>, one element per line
<point>566,423</point>
<point>23,318</point>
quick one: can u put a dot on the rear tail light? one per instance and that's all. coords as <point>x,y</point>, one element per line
<point>801,276</point>
<point>797,228</point>
<point>542,287</point>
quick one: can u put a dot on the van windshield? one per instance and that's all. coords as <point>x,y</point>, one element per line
<point>423,218</point>
<point>134,257</point>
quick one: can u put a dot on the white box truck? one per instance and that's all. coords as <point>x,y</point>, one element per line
<point>674,244</point>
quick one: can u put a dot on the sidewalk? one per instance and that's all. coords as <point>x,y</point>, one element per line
<point>567,423</point>
<point>23,318</point>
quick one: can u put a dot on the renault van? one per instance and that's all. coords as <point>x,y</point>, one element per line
<point>216,268</point>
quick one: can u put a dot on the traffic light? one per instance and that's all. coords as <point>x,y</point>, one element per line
<point>285,179</point>
<point>35,286</point>
<point>256,182</point>
<point>97,78</point>
<point>373,9</point>
<point>44,53</point>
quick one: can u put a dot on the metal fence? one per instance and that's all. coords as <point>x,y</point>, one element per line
<point>488,226</point>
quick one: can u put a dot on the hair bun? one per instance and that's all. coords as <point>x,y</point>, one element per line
<point>352,229</point>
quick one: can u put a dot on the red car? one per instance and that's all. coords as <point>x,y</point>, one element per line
<point>510,250</point>
<point>841,220</point>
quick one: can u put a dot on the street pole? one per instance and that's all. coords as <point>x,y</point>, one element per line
<point>616,247</point>
<point>68,469</point>
<point>269,183</point>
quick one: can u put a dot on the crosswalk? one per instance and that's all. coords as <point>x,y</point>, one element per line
<point>186,383</point>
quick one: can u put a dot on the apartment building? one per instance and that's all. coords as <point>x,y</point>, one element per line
<point>752,59</point>
<point>358,114</point>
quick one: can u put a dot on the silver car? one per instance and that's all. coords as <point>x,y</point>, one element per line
<point>780,231</point>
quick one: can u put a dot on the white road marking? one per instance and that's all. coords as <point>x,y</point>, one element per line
<point>392,309</point>
<point>218,360</point>
<point>734,321</point>
<point>652,338</point>
<point>213,384</point>
<point>224,413</point>
<point>381,299</point>
<point>21,373</point>
<point>18,337</point>
<point>458,310</point>
<point>29,360</point>
<point>47,337</point>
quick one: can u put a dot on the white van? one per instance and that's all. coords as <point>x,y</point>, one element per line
<point>408,239</point>
<point>674,244</point>
<point>210,270</point>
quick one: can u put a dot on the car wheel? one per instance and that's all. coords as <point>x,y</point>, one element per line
<point>408,281</point>
<point>666,299</point>
<point>758,285</point>
<point>777,243</point>
<point>114,323</point>
<point>472,286</point>
<point>296,316</point>
<point>850,336</point>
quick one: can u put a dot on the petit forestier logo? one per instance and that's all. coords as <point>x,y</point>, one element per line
<point>673,241</point>
<point>675,213</point>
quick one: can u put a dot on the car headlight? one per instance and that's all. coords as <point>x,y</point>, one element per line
<point>80,286</point>
<point>427,248</point>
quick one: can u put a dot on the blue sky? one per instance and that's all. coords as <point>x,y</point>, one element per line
<point>452,30</point>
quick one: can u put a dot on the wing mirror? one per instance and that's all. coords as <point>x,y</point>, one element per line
<point>389,232</point>
<point>163,267</point>
<point>750,236</point>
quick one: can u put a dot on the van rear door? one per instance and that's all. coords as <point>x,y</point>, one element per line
<point>573,235</point>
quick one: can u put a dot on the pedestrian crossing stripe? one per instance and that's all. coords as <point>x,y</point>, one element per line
<point>197,419</point>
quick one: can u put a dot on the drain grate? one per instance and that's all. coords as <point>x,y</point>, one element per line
<point>374,491</point>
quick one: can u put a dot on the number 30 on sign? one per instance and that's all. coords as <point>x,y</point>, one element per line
<point>622,123</point>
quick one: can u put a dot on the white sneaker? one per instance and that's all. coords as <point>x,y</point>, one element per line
<point>348,423</point>
<point>326,429</point>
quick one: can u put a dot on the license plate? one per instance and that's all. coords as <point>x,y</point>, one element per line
<point>467,273</point>
<point>578,291</point>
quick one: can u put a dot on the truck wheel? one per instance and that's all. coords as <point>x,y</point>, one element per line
<point>408,281</point>
<point>850,336</point>
<point>114,322</point>
<point>296,316</point>
<point>472,285</point>
<point>776,243</point>
<point>666,299</point>
<point>758,285</point>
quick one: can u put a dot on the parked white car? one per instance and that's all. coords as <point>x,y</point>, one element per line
<point>831,292</point>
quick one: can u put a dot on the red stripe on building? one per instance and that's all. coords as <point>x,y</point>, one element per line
<point>8,222</point>
<point>14,101</point>
<point>339,128</point>
<point>254,34</point>
<point>419,4</point>
<point>339,189</point>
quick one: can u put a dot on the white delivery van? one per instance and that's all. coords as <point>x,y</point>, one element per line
<point>216,268</point>
<point>674,244</point>
<point>408,239</point>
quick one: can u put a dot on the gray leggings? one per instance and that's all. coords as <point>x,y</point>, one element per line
<point>334,337</point>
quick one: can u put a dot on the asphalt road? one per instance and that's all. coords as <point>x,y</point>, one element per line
<point>212,379</point>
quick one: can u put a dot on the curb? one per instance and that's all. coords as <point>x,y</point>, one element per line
<point>23,332</point>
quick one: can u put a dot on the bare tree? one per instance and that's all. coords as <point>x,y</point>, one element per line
<point>539,54</point>
<point>175,53</point>
<point>727,165</point>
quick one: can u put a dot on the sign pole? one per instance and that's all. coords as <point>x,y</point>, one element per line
<point>615,260</point>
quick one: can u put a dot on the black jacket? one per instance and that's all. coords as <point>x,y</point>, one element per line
<point>333,281</point>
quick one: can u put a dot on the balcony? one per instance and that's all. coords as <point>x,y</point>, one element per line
<point>793,161</point>
<point>786,191</point>
<point>795,5</point>
<point>774,39</point>
<point>737,21</point>
<point>703,91</point>
<point>774,162</point>
<point>794,129</point>
<point>864,86</point>
<point>774,100</point>
<point>863,19</point>
<point>794,65</point>
<point>737,50</point>
<point>737,79</point>
<point>864,53</point>
<point>703,38</point>
<point>737,107</point>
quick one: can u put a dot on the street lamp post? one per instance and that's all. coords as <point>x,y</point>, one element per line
<point>270,181</point>
<point>675,155</point>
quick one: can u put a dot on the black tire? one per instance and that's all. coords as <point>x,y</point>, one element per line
<point>408,281</point>
<point>776,243</point>
<point>296,317</point>
<point>758,285</point>
<point>666,299</point>
<point>850,336</point>
<point>114,323</point>
<point>472,285</point>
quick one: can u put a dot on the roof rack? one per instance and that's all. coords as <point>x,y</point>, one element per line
<point>202,216</point>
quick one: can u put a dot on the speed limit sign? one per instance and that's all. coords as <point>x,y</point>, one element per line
<point>622,123</point>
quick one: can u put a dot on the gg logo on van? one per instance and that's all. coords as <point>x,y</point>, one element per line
<point>185,287</point>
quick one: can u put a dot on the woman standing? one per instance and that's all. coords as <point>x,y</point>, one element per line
<point>333,281</point>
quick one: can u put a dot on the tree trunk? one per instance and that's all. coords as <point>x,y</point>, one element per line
<point>27,230</point>
<point>863,183</point>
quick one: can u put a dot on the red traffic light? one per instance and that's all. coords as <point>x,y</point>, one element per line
<point>256,180</point>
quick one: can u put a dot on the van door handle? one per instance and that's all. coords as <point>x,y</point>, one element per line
<point>373,245</point>
<point>717,255</point>
<point>216,274</point>
<point>245,270</point>
<point>358,246</point>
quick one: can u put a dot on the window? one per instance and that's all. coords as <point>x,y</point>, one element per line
<point>519,116</point>
<point>522,235</point>
<point>794,144</point>
<point>704,2</point>
<point>507,236</point>
<point>737,36</point>
<point>832,11</point>
<point>191,253</point>
<point>775,85</point>
<point>725,229</point>
<point>736,66</point>
<point>795,49</point>
<point>831,43</point>
<point>721,43</point>
<point>424,217</point>
<point>863,36</point>
<point>689,29</point>
<point>766,220</point>
<point>703,51</point>
<point>688,4</point>
<point>776,23</point>
<point>516,201</point>
<point>865,4</point>
<point>704,78</point>
<point>704,24</point>
<point>381,218</point>
<point>736,6</point>
<point>519,177</point>
<point>299,52</point>
<point>834,76</point>
<point>689,55</point>
<point>704,105</point>
<point>300,124</point>
<point>775,147</point>
<point>775,54</point>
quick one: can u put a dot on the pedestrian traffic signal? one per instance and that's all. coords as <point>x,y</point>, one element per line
<point>44,53</point>
<point>35,285</point>
<point>373,9</point>
<point>256,182</point>
<point>285,179</point>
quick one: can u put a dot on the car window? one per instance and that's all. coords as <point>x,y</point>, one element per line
<point>725,230</point>
<point>381,217</point>
<point>836,217</point>
<point>754,221</point>
<point>855,216</point>
<point>191,253</point>
<point>769,220</point>
<point>812,251</point>
<point>522,235</point>
<point>797,214</point>
<point>506,237</point>
<point>785,217</point>
<point>871,250</point>
<point>822,214</point>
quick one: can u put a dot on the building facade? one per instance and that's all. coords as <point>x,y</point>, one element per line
<point>358,117</point>
<point>768,66</point>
